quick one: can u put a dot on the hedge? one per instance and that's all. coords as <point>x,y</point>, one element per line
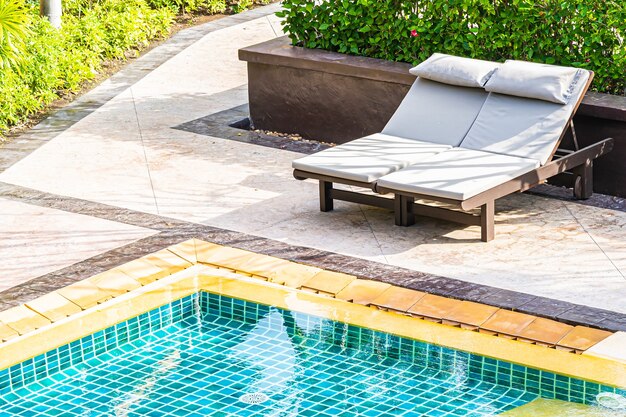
<point>582,33</point>
<point>57,62</point>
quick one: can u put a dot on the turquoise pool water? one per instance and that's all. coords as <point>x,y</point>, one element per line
<point>212,355</point>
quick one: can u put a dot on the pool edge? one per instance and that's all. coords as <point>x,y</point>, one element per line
<point>159,287</point>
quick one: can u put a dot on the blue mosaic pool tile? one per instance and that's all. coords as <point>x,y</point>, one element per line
<point>79,351</point>
<point>339,369</point>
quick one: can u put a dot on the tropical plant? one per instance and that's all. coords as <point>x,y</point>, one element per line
<point>186,6</point>
<point>583,33</point>
<point>38,63</point>
<point>13,32</point>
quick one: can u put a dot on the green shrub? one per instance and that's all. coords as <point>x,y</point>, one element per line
<point>54,61</point>
<point>240,5</point>
<point>583,33</point>
<point>13,31</point>
<point>186,6</point>
<point>25,89</point>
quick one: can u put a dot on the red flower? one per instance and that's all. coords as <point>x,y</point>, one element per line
<point>414,33</point>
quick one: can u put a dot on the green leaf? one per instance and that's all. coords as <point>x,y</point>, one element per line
<point>590,32</point>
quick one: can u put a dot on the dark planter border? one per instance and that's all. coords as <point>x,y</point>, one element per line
<point>336,98</point>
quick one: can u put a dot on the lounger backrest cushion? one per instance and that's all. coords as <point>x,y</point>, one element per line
<point>436,112</point>
<point>528,79</point>
<point>523,127</point>
<point>455,70</point>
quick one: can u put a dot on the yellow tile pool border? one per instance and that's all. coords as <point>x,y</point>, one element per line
<point>96,303</point>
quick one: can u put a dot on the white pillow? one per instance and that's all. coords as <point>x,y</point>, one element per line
<point>533,80</point>
<point>449,69</point>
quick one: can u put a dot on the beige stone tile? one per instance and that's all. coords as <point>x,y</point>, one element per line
<point>293,274</point>
<point>566,262</point>
<point>275,22</point>
<point>23,319</point>
<point>204,250</point>
<point>205,200</point>
<point>613,347</point>
<point>470,314</point>
<point>143,271</point>
<point>38,240</point>
<point>109,141</point>
<point>398,299</point>
<point>607,228</point>
<point>218,256</point>
<point>262,265</point>
<point>582,338</point>
<point>240,260</point>
<point>543,407</point>
<point>186,250</point>
<point>85,294</point>
<point>53,306</point>
<point>505,322</point>
<point>135,158</point>
<point>434,307</point>
<point>328,282</point>
<point>363,291</point>
<point>344,230</point>
<point>544,331</point>
<point>167,261</point>
<point>7,333</point>
<point>187,72</point>
<point>117,173</point>
<point>114,282</point>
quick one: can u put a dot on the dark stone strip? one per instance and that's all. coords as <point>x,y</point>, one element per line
<point>234,124</point>
<point>174,231</point>
<point>508,299</point>
<point>88,208</point>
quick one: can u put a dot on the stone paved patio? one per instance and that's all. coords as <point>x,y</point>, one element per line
<point>115,167</point>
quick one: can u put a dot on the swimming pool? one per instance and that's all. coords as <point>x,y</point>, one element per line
<point>209,354</point>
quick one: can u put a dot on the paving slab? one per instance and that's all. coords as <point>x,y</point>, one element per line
<point>125,151</point>
<point>36,240</point>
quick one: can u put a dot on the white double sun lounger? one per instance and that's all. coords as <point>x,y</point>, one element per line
<point>467,133</point>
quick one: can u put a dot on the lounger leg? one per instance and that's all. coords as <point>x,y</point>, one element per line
<point>403,210</point>
<point>583,184</point>
<point>487,212</point>
<point>398,210</point>
<point>326,201</point>
<point>408,217</point>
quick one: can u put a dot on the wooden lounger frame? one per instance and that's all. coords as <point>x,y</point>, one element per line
<point>578,162</point>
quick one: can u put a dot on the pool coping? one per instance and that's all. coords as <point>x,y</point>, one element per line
<point>13,151</point>
<point>171,231</point>
<point>156,279</point>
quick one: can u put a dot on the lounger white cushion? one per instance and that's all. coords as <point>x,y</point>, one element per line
<point>436,112</point>
<point>369,158</point>
<point>457,173</point>
<point>522,127</point>
<point>532,80</point>
<point>455,70</point>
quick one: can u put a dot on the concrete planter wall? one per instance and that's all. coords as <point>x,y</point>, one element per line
<point>336,98</point>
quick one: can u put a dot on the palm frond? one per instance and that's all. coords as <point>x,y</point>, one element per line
<point>14,21</point>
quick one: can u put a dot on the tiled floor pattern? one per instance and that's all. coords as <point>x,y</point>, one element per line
<point>26,230</point>
<point>187,184</point>
<point>82,295</point>
<point>177,361</point>
<point>172,231</point>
